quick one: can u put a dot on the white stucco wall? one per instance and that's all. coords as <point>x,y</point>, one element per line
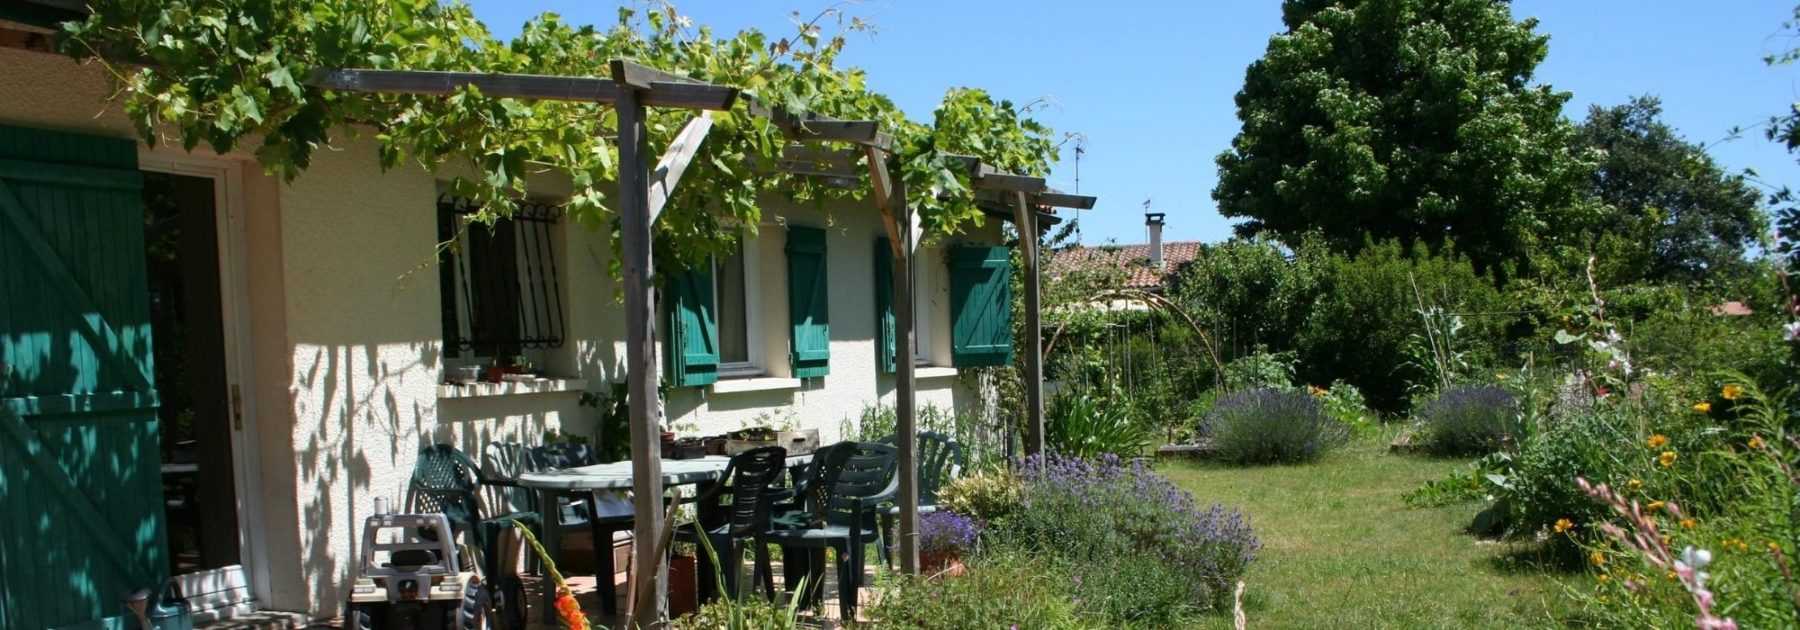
<point>345,338</point>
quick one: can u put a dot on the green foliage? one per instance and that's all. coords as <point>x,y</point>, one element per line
<point>1271,426</point>
<point>1091,423</point>
<point>1344,403</point>
<point>1250,293</point>
<point>1359,327</point>
<point>223,72</point>
<point>613,423</point>
<point>1677,213</point>
<point>1406,119</point>
<point>989,495</point>
<point>1261,369</point>
<point>748,613</point>
<point>1001,590</point>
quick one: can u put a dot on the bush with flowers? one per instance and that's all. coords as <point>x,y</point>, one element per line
<point>1142,549</point>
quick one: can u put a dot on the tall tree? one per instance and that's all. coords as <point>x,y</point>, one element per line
<point>1682,213</point>
<point>1403,119</point>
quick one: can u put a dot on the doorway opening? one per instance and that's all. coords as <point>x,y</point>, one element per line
<point>181,239</point>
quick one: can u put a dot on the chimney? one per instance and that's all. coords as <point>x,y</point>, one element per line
<point>1154,221</point>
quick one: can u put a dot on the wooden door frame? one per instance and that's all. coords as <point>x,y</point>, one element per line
<point>234,297</point>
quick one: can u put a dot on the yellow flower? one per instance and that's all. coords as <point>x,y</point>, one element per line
<point>1500,376</point>
<point>1774,547</point>
<point>1703,407</point>
<point>1635,484</point>
<point>1732,391</point>
<point>1654,506</point>
<point>1658,441</point>
<point>1564,525</point>
<point>1673,576</point>
<point>1603,578</point>
<point>1597,558</point>
<point>1688,523</point>
<point>1667,459</point>
<point>1756,442</point>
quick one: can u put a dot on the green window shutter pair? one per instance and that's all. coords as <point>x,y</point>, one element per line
<point>693,338</point>
<point>692,352</point>
<point>808,302</point>
<point>981,305</point>
<point>886,328</point>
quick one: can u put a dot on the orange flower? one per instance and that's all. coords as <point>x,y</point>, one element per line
<point>570,611</point>
<point>1657,441</point>
<point>1688,523</point>
<point>1316,391</point>
<point>1756,442</point>
<point>1732,391</point>
<point>1667,459</point>
<point>1564,525</point>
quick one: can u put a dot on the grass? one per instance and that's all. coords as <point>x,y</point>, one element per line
<point>1340,549</point>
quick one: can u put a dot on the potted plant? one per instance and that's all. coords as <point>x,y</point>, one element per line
<point>945,538</point>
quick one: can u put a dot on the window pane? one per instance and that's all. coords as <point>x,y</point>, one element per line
<point>734,346</point>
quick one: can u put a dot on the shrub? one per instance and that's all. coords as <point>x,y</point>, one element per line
<point>1471,420</point>
<point>1262,426</point>
<point>1261,369</point>
<point>1089,424</point>
<point>986,496</point>
<point>998,591</point>
<point>947,533</point>
<point>1368,307</point>
<point>1103,513</point>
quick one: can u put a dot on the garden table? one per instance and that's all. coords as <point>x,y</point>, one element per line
<point>614,476</point>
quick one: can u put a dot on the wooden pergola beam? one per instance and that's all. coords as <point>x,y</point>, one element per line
<point>675,161</point>
<point>808,127</point>
<point>684,94</point>
<point>1064,200</point>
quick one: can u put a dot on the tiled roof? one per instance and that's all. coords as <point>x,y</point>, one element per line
<point>1135,259</point>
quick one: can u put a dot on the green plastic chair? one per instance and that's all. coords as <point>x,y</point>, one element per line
<point>940,461</point>
<point>744,518</point>
<point>847,484</point>
<point>445,481</point>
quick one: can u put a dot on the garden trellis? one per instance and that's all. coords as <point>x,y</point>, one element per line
<point>643,192</point>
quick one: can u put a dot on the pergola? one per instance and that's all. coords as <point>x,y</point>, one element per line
<point>643,192</point>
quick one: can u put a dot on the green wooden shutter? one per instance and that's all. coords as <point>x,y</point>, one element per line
<point>808,303</point>
<point>81,499</point>
<point>692,351</point>
<point>886,328</point>
<point>981,305</point>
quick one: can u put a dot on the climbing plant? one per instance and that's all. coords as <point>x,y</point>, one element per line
<point>231,74</point>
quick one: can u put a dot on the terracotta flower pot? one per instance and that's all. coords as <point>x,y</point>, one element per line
<point>941,563</point>
<point>683,585</point>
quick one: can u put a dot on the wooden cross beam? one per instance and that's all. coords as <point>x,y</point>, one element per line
<point>675,161</point>
<point>664,90</point>
<point>808,127</point>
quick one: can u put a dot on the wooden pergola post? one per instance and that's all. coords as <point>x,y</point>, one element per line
<point>1025,218</point>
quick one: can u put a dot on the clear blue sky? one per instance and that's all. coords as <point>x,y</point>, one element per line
<point>1150,84</point>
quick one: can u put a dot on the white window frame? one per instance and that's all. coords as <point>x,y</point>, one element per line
<point>754,366</point>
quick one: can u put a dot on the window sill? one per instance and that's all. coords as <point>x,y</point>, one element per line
<point>932,371</point>
<point>758,384</point>
<point>539,386</point>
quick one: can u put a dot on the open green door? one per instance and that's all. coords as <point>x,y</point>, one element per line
<point>81,503</point>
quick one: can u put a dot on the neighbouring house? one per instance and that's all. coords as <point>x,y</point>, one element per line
<point>1154,266</point>
<point>208,372</point>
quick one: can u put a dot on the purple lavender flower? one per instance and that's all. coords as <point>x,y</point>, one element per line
<point>948,533</point>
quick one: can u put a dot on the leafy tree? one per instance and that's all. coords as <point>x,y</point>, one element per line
<point>1404,119</point>
<point>1785,129</point>
<point>1251,293</point>
<point>1682,213</point>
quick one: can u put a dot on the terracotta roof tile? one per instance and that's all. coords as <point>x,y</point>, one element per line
<point>1134,258</point>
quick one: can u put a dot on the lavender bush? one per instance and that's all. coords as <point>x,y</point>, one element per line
<point>947,533</point>
<point>1470,420</point>
<point>1266,426</point>
<point>1103,514</point>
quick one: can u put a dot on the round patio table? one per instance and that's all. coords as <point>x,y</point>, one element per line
<point>614,476</point>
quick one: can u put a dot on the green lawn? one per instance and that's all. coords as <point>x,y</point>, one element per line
<point>1340,549</point>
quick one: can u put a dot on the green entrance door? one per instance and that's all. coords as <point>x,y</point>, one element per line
<point>81,502</point>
